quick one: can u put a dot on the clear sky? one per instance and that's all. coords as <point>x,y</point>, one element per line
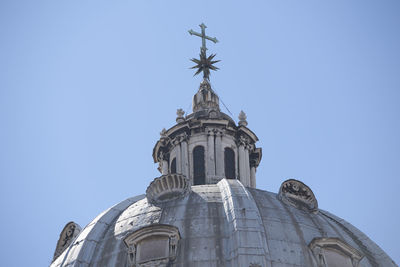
<point>86,87</point>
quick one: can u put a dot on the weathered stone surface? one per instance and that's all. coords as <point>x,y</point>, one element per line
<point>225,224</point>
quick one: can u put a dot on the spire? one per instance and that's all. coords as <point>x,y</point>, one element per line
<point>204,64</point>
<point>205,98</point>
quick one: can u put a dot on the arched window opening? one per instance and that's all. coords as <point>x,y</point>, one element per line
<point>173,166</point>
<point>229,159</point>
<point>199,174</point>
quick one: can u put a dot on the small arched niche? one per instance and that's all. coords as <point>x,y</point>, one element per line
<point>155,245</point>
<point>199,170</point>
<point>229,163</point>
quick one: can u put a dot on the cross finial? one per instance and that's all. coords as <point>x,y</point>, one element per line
<point>204,64</point>
<point>203,37</point>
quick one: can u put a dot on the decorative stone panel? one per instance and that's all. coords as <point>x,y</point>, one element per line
<point>297,194</point>
<point>67,235</point>
<point>167,187</point>
<point>334,252</point>
<point>155,245</point>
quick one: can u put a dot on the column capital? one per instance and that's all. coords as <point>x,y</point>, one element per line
<point>210,131</point>
<point>183,137</point>
<point>243,141</point>
<point>162,156</point>
<point>219,132</point>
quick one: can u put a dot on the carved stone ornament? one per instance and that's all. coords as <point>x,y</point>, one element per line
<point>67,235</point>
<point>179,115</point>
<point>183,137</point>
<point>161,156</point>
<point>163,133</point>
<point>210,131</point>
<point>167,187</point>
<point>243,141</point>
<point>155,245</point>
<point>164,139</point>
<point>205,98</point>
<point>213,114</point>
<point>299,195</point>
<point>328,250</point>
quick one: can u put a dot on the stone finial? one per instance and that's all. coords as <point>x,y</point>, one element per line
<point>179,115</point>
<point>242,119</point>
<point>163,133</point>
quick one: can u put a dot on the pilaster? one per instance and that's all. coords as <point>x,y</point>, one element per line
<point>219,154</point>
<point>185,156</point>
<point>253,176</point>
<point>210,157</point>
<point>178,154</point>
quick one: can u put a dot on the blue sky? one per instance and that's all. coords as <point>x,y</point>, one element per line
<point>86,87</point>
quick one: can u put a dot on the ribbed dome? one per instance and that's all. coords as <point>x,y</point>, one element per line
<point>224,224</point>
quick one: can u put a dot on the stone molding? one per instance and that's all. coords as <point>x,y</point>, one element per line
<point>299,195</point>
<point>161,231</point>
<point>179,138</point>
<point>255,156</point>
<point>319,245</point>
<point>167,187</point>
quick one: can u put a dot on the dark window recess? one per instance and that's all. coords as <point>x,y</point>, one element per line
<point>198,166</point>
<point>173,166</point>
<point>229,163</point>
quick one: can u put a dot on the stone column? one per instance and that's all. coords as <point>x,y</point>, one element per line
<point>253,176</point>
<point>247,163</point>
<point>178,154</point>
<point>210,157</point>
<point>164,167</point>
<point>184,157</point>
<point>163,163</point>
<point>219,155</point>
<point>242,166</point>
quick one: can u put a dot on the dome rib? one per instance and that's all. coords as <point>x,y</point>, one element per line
<point>223,224</point>
<point>84,246</point>
<point>244,220</point>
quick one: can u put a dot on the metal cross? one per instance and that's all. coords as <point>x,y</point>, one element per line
<point>203,37</point>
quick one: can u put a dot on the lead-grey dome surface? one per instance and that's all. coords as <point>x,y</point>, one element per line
<point>223,224</point>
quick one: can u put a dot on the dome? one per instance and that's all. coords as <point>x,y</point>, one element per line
<point>223,224</point>
<point>205,208</point>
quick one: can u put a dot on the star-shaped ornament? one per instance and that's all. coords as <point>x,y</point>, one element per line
<point>205,64</point>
